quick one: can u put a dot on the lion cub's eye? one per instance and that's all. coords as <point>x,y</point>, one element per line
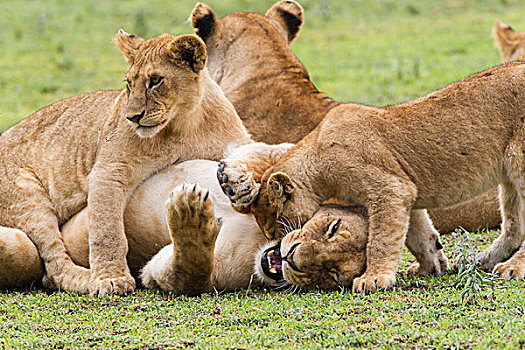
<point>128,85</point>
<point>154,80</point>
<point>333,227</point>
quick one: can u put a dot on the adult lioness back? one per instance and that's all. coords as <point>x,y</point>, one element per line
<point>95,150</point>
<point>250,58</point>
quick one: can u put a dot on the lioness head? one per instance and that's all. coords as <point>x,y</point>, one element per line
<point>163,81</point>
<point>329,251</point>
<point>511,44</point>
<point>236,35</point>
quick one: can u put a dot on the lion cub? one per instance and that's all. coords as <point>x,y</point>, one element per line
<point>59,160</point>
<point>511,44</point>
<point>432,152</point>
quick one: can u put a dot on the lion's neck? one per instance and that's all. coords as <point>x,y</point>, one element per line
<point>215,124</point>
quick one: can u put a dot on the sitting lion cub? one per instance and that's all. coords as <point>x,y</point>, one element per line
<point>77,153</point>
<point>436,151</point>
<point>511,44</point>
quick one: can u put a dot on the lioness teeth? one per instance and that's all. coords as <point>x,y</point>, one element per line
<point>270,253</point>
<point>273,270</point>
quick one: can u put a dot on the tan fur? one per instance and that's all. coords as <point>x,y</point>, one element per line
<point>189,264</point>
<point>250,58</point>
<point>82,151</point>
<point>510,43</point>
<point>437,151</point>
<point>20,264</point>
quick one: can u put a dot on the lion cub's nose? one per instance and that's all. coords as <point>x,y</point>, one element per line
<point>137,117</point>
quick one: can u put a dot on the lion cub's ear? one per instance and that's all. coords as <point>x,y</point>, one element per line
<point>204,21</point>
<point>287,16</point>
<point>190,50</point>
<point>280,187</point>
<point>504,39</point>
<point>128,44</point>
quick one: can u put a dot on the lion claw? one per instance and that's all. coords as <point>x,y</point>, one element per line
<point>237,183</point>
<point>112,286</point>
<point>509,270</point>
<point>191,208</point>
<point>371,282</point>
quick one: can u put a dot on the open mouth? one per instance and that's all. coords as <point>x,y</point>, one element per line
<point>272,262</point>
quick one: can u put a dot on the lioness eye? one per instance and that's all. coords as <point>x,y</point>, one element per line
<point>154,80</point>
<point>333,227</point>
<point>128,85</point>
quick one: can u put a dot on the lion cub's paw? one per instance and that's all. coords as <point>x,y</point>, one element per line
<point>438,266</point>
<point>72,279</point>
<point>111,286</point>
<point>509,270</point>
<point>191,208</point>
<point>237,183</point>
<point>370,282</point>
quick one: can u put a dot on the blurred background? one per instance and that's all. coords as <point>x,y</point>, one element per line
<point>374,52</point>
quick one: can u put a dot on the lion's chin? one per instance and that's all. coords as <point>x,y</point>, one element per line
<point>145,132</point>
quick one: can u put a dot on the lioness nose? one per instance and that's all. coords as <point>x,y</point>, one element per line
<point>137,117</point>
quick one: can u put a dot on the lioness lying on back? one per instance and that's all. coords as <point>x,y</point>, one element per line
<point>205,255</point>
<point>250,59</point>
<point>436,151</point>
<point>94,150</point>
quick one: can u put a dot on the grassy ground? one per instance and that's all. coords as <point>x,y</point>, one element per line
<point>373,52</point>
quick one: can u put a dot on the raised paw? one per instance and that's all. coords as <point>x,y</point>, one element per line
<point>371,282</point>
<point>102,286</point>
<point>190,208</point>
<point>509,270</point>
<point>237,183</point>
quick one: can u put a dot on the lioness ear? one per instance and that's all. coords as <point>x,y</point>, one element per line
<point>189,49</point>
<point>287,16</point>
<point>204,21</point>
<point>280,187</point>
<point>128,44</point>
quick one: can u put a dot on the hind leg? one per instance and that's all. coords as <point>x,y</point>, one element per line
<point>511,237</point>
<point>20,265</point>
<point>514,240</point>
<point>423,242</point>
<point>186,266</point>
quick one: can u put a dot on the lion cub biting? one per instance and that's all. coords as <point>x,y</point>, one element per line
<point>432,152</point>
<point>77,153</point>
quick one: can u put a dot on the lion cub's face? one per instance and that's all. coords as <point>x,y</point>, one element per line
<point>510,43</point>
<point>329,251</point>
<point>163,81</point>
<point>280,202</point>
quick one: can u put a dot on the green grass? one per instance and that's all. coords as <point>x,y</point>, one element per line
<point>373,52</point>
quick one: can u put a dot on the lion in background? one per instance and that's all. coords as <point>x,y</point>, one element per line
<point>511,44</point>
<point>250,59</point>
